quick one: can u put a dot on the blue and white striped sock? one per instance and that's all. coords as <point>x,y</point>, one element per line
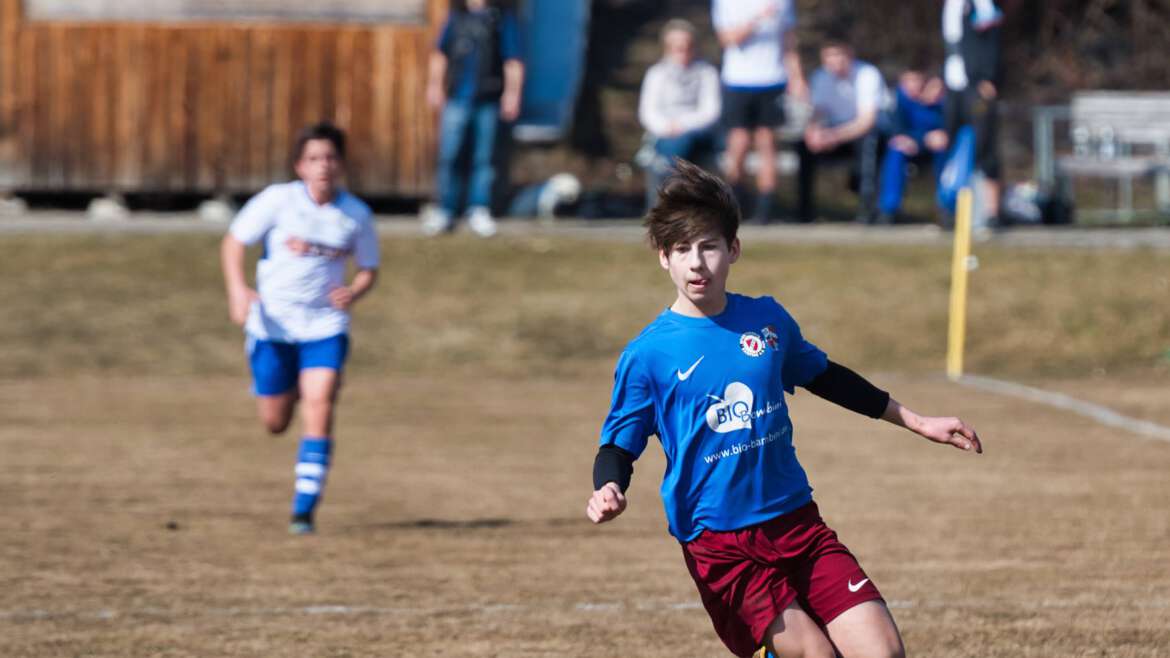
<point>312,466</point>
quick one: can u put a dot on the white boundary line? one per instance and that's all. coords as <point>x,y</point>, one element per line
<point>1101,414</point>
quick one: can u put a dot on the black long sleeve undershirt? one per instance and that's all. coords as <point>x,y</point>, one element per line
<point>837,384</point>
<point>843,387</point>
<point>613,464</point>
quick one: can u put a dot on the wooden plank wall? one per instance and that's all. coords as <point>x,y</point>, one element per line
<point>208,107</point>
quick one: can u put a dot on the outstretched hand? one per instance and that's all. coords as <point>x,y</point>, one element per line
<point>949,430</point>
<point>606,503</point>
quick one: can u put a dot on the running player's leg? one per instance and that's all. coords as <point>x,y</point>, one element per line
<point>274,381</point>
<point>738,141</point>
<point>318,390</point>
<point>842,598</point>
<point>276,411</point>
<point>866,630</point>
<point>765,144</point>
<point>320,377</point>
<point>795,635</point>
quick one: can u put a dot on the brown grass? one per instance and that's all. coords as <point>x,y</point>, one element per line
<point>154,304</point>
<point>144,509</point>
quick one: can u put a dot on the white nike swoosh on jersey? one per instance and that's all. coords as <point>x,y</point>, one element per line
<point>683,376</point>
<point>854,588</point>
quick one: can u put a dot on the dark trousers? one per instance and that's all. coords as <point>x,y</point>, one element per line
<point>967,107</point>
<point>862,156</point>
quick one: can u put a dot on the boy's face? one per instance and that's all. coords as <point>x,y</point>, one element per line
<point>679,47</point>
<point>912,83</point>
<point>320,165</point>
<point>836,60</point>
<point>699,269</point>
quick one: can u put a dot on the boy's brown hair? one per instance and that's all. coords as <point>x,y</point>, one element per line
<point>690,203</point>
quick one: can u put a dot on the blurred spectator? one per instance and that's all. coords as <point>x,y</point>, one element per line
<point>971,30</point>
<point>679,103</point>
<point>918,131</point>
<point>847,94</point>
<point>760,63</point>
<point>476,77</point>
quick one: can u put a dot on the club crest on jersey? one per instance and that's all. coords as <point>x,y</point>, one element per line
<point>771,337</point>
<point>752,344</point>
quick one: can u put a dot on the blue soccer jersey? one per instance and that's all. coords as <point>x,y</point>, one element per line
<point>712,390</point>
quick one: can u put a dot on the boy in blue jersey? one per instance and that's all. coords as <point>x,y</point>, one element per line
<point>297,319</point>
<point>708,377</point>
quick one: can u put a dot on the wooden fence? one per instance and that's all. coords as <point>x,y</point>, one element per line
<point>208,106</point>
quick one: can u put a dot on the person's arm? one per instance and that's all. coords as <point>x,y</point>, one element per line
<point>623,438</point>
<point>954,68</point>
<point>734,35</point>
<point>513,86</point>
<point>344,297</point>
<point>612,469</point>
<point>870,90</point>
<point>436,80</point>
<point>858,127</point>
<point>239,295</point>
<point>797,85</point>
<point>510,52</point>
<point>367,257</point>
<point>649,115</point>
<point>846,388</point>
<point>710,103</point>
<point>940,429</point>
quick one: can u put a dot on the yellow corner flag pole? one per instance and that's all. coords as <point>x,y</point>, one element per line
<point>958,327</point>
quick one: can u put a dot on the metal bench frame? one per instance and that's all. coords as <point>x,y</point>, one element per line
<point>1115,134</point>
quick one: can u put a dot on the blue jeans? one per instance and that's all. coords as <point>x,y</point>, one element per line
<point>696,145</point>
<point>461,121</point>
<point>688,146</point>
<point>893,175</point>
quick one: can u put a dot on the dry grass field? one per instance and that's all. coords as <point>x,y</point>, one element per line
<point>145,510</point>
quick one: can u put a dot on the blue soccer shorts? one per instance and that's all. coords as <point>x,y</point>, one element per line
<point>276,366</point>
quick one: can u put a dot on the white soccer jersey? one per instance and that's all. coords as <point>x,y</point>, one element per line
<point>759,60</point>
<point>293,286</point>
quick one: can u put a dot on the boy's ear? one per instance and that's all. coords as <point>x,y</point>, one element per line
<point>734,250</point>
<point>663,259</point>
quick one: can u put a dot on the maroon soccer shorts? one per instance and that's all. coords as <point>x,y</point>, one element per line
<point>747,577</point>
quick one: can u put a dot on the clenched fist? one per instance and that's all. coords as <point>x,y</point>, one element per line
<point>606,503</point>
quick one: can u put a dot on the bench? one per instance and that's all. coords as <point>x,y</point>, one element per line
<point>1119,135</point>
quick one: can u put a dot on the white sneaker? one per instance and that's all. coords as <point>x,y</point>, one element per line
<point>434,221</point>
<point>480,221</point>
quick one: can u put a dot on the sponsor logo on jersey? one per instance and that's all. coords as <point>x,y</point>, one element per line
<point>733,411</point>
<point>306,248</point>
<point>751,344</point>
<point>771,337</point>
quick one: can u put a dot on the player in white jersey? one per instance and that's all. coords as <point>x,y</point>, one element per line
<point>297,318</point>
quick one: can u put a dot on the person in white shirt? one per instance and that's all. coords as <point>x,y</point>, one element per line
<point>760,63</point>
<point>679,103</point>
<point>296,320</point>
<point>973,72</point>
<point>847,95</point>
